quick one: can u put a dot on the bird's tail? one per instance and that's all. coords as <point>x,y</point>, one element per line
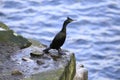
<point>46,50</point>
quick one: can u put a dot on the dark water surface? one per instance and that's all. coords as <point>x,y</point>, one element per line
<point>94,36</point>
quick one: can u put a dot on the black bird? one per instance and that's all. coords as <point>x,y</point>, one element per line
<point>59,39</point>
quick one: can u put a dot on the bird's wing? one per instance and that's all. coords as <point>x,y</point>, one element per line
<point>58,40</point>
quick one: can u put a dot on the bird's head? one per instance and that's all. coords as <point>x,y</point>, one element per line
<point>68,20</point>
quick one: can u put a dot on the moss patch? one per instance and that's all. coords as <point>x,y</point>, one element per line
<point>8,35</point>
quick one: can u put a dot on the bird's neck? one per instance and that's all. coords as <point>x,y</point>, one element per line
<point>64,27</point>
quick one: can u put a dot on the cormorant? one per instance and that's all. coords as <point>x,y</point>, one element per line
<point>59,39</point>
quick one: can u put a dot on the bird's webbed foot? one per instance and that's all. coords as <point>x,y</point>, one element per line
<point>60,52</point>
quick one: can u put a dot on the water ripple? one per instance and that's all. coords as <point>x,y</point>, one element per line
<point>94,36</point>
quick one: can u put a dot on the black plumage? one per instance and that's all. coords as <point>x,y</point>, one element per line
<point>59,39</point>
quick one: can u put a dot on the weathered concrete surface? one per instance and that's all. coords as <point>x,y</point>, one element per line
<point>50,66</point>
<point>31,63</point>
<point>45,67</point>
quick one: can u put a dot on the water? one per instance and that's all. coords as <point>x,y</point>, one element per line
<point>94,37</point>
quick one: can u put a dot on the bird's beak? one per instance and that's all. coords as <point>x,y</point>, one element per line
<point>71,20</point>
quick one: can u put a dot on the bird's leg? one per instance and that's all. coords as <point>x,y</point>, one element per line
<point>60,52</point>
<point>46,50</point>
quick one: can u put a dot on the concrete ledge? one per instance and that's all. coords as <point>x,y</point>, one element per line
<point>20,61</point>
